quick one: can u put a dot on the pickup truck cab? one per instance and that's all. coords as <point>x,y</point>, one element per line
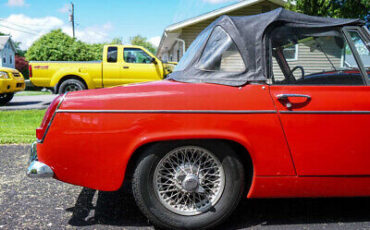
<point>11,81</point>
<point>121,64</point>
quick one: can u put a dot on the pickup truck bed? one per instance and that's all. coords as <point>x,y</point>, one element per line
<point>121,65</point>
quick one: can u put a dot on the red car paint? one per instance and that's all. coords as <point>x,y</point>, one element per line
<point>318,147</point>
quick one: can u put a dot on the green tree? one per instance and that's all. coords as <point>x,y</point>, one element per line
<point>332,8</point>
<point>142,41</point>
<point>58,46</point>
<point>53,46</point>
<point>96,50</point>
<point>116,41</point>
<point>18,49</point>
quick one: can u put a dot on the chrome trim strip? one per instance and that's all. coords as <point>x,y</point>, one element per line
<point>52,118</point>
<point>325,112</point>
<point>169,111</point>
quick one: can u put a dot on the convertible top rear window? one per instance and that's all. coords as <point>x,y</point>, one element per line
<point>221,54</point>
<point>192,50</point>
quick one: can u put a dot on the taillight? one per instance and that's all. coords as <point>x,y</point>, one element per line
<point>30,71</point>
<point>41,131</point>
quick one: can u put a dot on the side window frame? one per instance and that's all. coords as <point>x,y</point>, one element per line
<point>115,47</point>
<point>356,55</point>
<point>347,37</point>
<point>123,56</point>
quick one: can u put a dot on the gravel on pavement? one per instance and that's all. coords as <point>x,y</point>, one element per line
<point>50,204</point>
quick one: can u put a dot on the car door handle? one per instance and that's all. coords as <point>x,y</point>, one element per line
<point>285,97</point>
<point>126,67</point>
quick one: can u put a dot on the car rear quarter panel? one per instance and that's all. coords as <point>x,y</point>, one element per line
<point>92,139</point>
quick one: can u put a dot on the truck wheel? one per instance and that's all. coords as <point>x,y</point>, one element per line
<point>71,85</point>
<point>5,98</point>
<point>188,185</point>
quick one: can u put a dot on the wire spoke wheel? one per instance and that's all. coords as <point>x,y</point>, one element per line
<point>189,180</point>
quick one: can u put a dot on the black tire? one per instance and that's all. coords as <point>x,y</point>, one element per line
<point>148,201</point>
<point>5,98</point>
<point>71,85</point>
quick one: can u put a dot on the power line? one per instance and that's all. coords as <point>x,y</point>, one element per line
<point>15,24</point>
<point>16,29</point>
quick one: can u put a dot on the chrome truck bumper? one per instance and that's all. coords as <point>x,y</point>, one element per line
<point>37,169</point>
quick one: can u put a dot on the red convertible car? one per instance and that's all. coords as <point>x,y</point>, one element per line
<point>264,106</point>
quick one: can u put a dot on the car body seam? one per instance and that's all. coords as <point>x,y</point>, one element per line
<point>169,111</point>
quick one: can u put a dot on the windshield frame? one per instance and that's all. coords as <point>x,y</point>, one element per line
<point>356,55</point>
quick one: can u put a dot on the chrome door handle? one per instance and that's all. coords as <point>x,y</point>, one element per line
<point>288,104</point>
<point>286,96</point>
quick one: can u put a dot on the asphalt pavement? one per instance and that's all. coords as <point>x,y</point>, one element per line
<point>29,102</point>
<point>49,204</point>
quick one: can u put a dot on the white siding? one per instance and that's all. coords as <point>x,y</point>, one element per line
<point>188,34</point>
<point>8,54</point>
<point>313,60</point>
<point>232,62</point>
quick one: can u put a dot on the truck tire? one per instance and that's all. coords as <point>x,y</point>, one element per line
<point>71,85</point>
<point>5,98</point>
<point>188,185</point>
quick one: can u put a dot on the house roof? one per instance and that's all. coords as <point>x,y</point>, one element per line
<point>218,12</point>
<point>4,40</point>
<point>172,31</point>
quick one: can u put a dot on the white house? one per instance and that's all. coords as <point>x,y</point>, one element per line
<point>7,52</point>
<point>177,37</point>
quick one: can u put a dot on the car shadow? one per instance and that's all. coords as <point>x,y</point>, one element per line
<point>112,208</point>
<point>275,212</point>
<point>119,209</point>
<point>20,103</point>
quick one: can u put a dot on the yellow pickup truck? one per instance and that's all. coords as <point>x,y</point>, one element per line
<point>11,81</point>
<point>122,64</point>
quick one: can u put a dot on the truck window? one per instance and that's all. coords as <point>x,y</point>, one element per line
<point>112,54</point>
<point>136,55</point>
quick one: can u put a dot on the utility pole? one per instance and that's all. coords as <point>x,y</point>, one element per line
<point>72,19</point>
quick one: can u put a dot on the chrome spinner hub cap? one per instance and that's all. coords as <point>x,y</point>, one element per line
<point>189,180</point>
<point>190,183</point>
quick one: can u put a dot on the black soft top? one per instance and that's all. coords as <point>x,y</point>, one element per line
<point>248,34</point>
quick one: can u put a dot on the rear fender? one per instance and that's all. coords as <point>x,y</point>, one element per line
<point>157,137</point>
<point>71,72</point>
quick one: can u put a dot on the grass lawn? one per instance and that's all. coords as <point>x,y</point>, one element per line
<point>18,127</point>
<point>32,93</point>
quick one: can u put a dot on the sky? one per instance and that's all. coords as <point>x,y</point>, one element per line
<point>98,21</point>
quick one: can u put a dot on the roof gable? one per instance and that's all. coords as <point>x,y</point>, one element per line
<point>4,40</point>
